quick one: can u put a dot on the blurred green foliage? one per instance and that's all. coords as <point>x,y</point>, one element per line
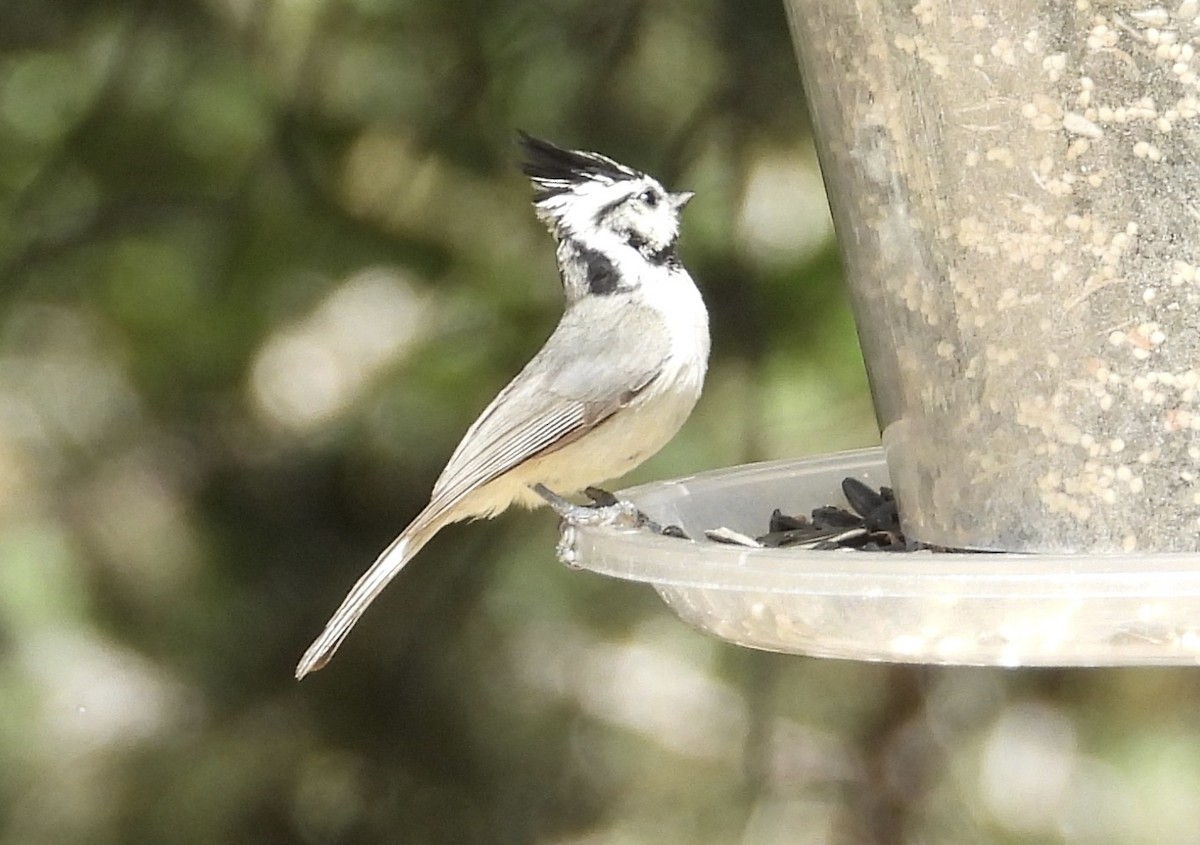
<point>261,263</point>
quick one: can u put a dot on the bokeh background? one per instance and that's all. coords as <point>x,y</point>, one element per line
<point>261,263</point>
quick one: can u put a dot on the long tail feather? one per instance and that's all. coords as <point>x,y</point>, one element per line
<point>369,586</point>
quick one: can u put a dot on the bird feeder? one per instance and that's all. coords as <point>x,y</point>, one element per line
<point>1015,186</point>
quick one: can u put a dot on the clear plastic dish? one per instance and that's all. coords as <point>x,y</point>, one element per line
<point>918,607</point>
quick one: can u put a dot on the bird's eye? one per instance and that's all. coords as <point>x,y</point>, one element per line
<point>649,197</point>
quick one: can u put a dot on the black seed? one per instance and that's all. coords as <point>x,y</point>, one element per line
<point>862,498</point>
<point>782,522</point>
<point>778,539</point>
<point>833,517</point>
<point>883,518</point>
<point>833,528</point>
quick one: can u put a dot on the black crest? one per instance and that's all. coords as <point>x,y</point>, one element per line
<point>555,170</point>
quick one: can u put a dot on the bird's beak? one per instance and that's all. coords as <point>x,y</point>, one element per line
<point>680,199</point>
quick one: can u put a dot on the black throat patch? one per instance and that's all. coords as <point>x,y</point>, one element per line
<point>602,276</point>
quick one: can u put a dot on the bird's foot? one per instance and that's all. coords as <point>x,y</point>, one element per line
<point>602,499</point>
<point>605,510</point>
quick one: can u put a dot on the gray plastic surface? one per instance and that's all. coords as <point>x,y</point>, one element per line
<point>921,607</point>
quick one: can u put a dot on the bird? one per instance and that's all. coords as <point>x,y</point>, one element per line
<point>613,383</point>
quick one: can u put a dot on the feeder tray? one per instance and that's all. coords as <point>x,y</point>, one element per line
<point>952,608</point>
